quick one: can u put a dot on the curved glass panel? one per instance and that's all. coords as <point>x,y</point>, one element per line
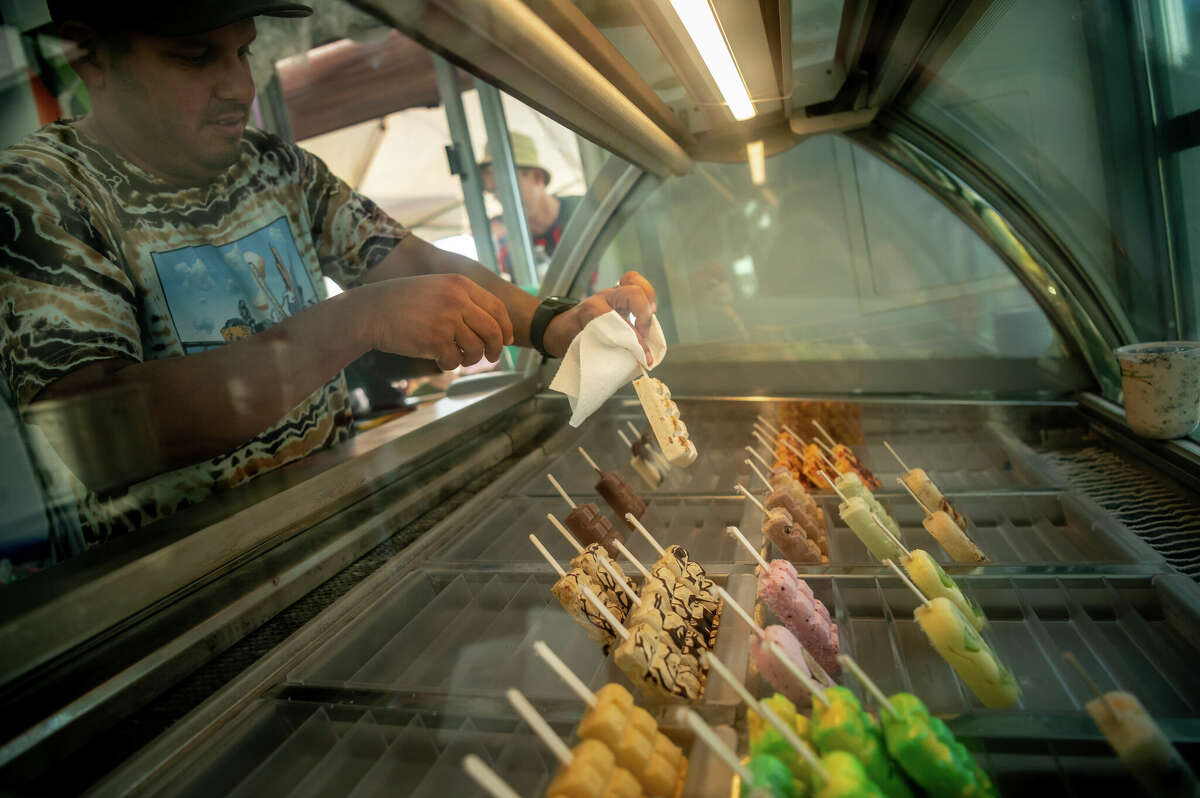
<point>1066,105</point>
<point>835,257</point>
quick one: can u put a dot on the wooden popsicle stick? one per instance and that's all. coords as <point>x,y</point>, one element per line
<point>607,565</point>
<point>565,532</point>
<point>841,495</point>
<point>828,462</point>
<point>872,688</point>
<point>664,464</point>
<point>792,448</point>
<point>591,462</point>
<point>751,497</point>
<point>564,672</point>
<point>898,460</point>
<point>617,626</point>
<point>794,434</point>
<point>754,453</point>
<point>750,463</point>
<point>629,556</point>
<point>821,430</point>
<point>560,490</point>
<point>539,725</point>
<point>904,578</point>
<point>920,503</point>
<point>774,429</point>
<point>1087,677</point>
<point>737,533</point>
<point>487,778</point>
<point>645,533</point>
<point>777,652</point>
<point>741,611</point>
<point>789,733</point>
<point>726,755</point>
<point>888,532</point>
<point>549,557</point>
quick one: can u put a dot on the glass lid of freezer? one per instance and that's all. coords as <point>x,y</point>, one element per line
<point>998,188</point>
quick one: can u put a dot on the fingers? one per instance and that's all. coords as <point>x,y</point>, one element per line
<point>491,305</point>
<point>632,300</point>
<point>447,356</point>
<point>475,342</point>
<point>635,279</point>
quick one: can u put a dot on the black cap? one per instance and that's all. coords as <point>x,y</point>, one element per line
<point>167,18</point>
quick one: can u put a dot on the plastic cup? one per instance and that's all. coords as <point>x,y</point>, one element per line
<point>1162,387</point>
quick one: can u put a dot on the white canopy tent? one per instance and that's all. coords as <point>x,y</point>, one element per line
<point>400,162</point>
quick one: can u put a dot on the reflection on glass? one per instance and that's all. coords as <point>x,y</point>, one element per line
<point>837,257</point>
<point>191,302</point>
<point>548,199</point>
<point>1045,97</point>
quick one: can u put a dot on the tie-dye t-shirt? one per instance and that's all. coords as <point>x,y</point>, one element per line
<point>100,259</point>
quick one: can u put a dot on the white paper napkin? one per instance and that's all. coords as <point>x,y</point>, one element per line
<point>601,359</point>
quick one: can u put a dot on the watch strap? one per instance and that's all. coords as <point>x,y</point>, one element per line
<point>547,309</point>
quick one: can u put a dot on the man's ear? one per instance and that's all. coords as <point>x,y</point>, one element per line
<point>85,53</point>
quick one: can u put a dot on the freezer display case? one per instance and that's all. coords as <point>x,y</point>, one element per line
<point>940,246</point>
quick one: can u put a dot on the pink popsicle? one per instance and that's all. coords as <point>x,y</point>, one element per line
<point>774,671</point>
<point>793,602</point>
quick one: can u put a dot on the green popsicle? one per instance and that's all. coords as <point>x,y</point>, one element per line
<point>843,726</point>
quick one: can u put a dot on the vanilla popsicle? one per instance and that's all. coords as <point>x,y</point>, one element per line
<point>971,657</point>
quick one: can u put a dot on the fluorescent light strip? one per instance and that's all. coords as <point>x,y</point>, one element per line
<point>756,155</point>
<point>701,24</point>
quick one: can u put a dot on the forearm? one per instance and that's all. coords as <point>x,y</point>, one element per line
<point>212,402</point>
<point>414,256</point>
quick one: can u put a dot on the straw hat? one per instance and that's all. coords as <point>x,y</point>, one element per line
<point>524,151</point>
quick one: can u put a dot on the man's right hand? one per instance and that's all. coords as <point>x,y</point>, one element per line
<point>447,318</point>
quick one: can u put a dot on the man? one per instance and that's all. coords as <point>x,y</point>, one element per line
<point>130,237</point>
<point>545,213</point>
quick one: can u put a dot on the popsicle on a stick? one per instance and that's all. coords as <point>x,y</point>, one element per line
<point>924,491</point>
<point>1138,741</point>
<point>949,534</point>
<point>933,581</point>
<point>663,414</point>
<point>957,640</point>
<point>616,491</point>
<point>924,746</point>
<point>588,771</point>
<point>629,731</point>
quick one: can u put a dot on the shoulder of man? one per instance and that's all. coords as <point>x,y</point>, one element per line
<point>49,152</point>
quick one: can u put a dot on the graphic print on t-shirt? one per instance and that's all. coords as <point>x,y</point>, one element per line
<point>218,294</point>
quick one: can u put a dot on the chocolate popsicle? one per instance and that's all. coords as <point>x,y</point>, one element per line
<point>589,526</point>
<point>619,496</point>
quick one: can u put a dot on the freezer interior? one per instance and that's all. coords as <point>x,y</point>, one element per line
<point>963,209</point>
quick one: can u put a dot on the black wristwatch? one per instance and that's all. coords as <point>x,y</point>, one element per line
<point>547,309</point>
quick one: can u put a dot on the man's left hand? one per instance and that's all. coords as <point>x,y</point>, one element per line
<point>633,296</point>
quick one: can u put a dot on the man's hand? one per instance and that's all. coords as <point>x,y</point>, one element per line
<point>443,317</point>
<point>633,296</point>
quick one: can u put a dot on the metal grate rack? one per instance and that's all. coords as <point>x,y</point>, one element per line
<point>1160,515</point>
<point>1066,574</point>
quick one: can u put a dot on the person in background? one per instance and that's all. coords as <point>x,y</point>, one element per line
<point>546,214</point>
<point>161,271</point>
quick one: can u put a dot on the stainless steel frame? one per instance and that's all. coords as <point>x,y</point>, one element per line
<point>507,44</point>
<point>505,170</point>
<point>468,170</point>
<point>86,600</point>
